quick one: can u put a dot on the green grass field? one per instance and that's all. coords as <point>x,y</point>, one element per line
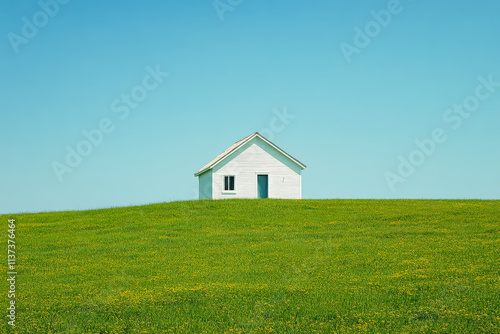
<point>260,266</point>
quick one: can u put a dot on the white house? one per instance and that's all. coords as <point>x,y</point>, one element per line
<point>253,167</point>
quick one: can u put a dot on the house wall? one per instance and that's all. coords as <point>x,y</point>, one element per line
<point>205,185</point>
<point>253,158</point>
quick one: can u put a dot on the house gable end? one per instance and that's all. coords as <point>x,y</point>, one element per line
<point>246,142</point>
<point>264,146</point>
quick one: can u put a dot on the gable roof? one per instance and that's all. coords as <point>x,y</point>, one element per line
<point>240,143</point>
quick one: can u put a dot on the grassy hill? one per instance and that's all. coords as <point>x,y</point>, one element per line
<point>260,266</point>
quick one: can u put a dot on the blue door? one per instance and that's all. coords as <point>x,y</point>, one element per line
<point>262,186</point>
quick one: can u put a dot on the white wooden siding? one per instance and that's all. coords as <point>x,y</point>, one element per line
<point>253,158</point>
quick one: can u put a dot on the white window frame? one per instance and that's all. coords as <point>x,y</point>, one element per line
<point>224,191</point>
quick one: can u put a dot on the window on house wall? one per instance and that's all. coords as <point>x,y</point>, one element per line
<point>229,183</point>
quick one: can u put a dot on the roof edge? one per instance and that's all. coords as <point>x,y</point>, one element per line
<point>225,154</point>
<point>242,142</point>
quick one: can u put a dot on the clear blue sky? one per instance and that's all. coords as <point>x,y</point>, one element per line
<point>359,100</point>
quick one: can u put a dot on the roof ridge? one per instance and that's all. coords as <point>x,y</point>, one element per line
<point>238,144</point>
